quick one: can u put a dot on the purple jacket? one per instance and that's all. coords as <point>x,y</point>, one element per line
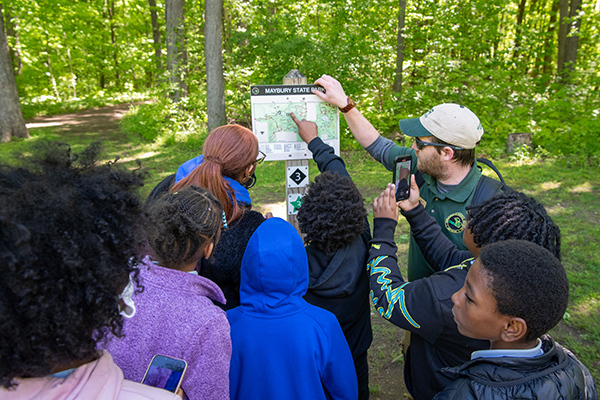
<point>175,317</point>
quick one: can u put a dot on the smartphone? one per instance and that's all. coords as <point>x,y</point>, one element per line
<point>165,372</point>
<point>402,167</point>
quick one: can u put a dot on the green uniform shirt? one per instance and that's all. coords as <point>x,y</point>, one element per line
<point>448,209</point>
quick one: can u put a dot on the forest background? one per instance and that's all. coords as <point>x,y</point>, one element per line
<point>521,66</point>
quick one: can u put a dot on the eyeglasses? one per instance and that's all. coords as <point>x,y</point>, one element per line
<point>261,157</point>
<point>420,144</point>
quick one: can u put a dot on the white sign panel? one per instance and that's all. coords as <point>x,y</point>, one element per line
<point>297,176</point>
<point>276,131</point>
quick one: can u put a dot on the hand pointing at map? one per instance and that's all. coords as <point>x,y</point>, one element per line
<point>306,129</point>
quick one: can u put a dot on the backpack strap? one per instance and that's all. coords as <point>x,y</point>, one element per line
<point>164,186</point>
<point>486,188</point>
<point>491,165</point>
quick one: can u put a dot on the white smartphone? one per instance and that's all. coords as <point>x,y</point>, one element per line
<point>165,372</point>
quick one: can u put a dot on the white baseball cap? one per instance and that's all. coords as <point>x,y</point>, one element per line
<point>452,123</point>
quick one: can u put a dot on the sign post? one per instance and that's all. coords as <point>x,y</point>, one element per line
<point>278,134</point>
<point>294,194</point>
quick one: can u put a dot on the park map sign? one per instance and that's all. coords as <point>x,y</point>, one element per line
<point>276,132</point>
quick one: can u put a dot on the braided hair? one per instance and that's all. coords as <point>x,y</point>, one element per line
<point>332,214</point>
<point>180,223</point>
<point>513,215</point>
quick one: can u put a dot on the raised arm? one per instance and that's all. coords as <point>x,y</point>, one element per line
<point>381,149</point>
<point>364,133</point>
<point>323,154</point>
<point>439,251</point>
<point>410,305</point>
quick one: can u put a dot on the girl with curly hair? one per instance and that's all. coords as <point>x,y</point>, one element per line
<point>226,167</point>
<point>334,221</point>
<point>175,316</point>
<point>68,229</point>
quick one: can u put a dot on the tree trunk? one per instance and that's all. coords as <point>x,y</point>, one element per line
<point>176,54</point>
<point>73,77</point>
<point>11,30</point>
<point>563,30</point>
<point>571,41</point>
<point>50,73</point>
<point>400,47</point>
<point>156,35</point>
<point>213,55</point>
<point>547,63</point>
<point>113,39</point>
<point>11,116</point>
<point>519,29</point>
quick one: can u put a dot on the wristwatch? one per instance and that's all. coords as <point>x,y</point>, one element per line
<point>348,107</point>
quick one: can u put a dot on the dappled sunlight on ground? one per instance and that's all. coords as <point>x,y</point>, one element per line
<point>278,209</point>
<point>139,157</point>
<point>583,188</point>
<point>43,124</point>
<point>589,306</point>
<point>550,185</point>
<point>76,119</point>
<point>554,210</point>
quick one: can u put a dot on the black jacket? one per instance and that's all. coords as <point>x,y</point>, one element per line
<point>224,267</point>
<point>556,374</point>
<point>338,282</point>
<point>424,306</point>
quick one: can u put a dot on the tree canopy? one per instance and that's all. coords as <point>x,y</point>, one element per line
<point>521,65</point>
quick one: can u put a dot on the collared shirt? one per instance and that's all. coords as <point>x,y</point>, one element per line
<point>520,353</point>
<point>448,209</point>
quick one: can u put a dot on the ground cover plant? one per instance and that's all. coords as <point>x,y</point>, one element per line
<point>568,185</point>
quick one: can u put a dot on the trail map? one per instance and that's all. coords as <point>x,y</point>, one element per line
<point>276,132</point>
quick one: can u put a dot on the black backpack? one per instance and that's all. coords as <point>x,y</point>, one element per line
<point>486,187</point>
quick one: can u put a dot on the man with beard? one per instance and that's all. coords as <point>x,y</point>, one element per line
<point>444,147</point>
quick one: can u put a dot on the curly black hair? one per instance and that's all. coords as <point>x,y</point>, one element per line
<point>179,223</point>
<point>68,228</point>
<point>528,282</point>
<point>513,215</point>
<point>332,214</point>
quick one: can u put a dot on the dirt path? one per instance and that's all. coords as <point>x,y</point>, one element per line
<point>103,122</point>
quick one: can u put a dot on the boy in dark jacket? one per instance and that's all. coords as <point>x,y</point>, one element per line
<point>334,220</point>
<point>514,293</point>
<point>424,306</point>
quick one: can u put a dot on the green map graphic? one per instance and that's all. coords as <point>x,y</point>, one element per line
<point>277,117</point>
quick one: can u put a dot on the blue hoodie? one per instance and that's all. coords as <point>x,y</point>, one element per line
<point>283,347</point>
